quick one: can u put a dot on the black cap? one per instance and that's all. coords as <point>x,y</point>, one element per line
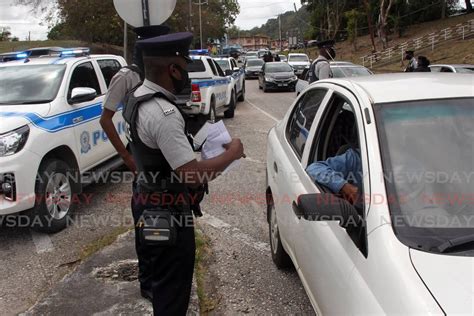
<point>145,32</point>
<point>174,44</point>
<point>328,43</point>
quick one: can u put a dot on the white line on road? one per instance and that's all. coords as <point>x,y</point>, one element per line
<point>42,242</point>
<point>236,233</point>
<point>264,112</point>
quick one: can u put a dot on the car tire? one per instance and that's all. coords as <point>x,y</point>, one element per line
<point>211,116</point>
<point>259,86</point>
<point>242,94</point>
<point>279,256</point>
<point>265,89</point>
<point>231,111</point>
<point>54,192</point>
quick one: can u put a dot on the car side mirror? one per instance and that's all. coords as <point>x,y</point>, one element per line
<point>79,95</point>
<point>236,69</point>
<point>229,72</point>
<point>327,207</point>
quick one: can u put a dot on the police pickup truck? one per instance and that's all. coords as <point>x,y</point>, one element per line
<point>230,67</point>
<point>211,91</point>
<point>50,136</point>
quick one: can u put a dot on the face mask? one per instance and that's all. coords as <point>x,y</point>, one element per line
<point>180,84</point>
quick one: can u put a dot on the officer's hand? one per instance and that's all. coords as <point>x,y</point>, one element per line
<point>236,148</point>
<point>130,163</point>
<point>350,193</point>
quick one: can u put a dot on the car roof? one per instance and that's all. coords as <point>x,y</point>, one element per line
<point>297,54</point>
<point>453,65</point>
<point>53,60</point>
<point>385,88</point>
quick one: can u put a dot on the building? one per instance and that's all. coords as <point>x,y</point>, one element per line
<point>251,42</point>
<point>275,44</point>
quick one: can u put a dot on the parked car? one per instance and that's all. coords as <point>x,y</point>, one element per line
<point>283,58</point>
<point>251,54</point>
<point>460,68</point>
<point>340,69</point>
<point>253,67</point>
<point>50,136</point>
<point>230,67</point>
<point>277,76</point>
<point>406,246</point>
<point>299,62</point>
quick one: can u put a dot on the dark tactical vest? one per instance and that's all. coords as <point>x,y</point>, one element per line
<point>312,71</point>
<point>155,173</point>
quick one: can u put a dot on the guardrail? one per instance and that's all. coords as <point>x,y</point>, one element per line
<point>459,31</point>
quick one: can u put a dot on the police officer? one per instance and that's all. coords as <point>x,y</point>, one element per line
<point>412,63</point>
<point>165,157</point>
<point>320,69</point>
<point>122,82</point>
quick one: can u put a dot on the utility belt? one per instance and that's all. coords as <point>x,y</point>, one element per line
<point>174,208</point>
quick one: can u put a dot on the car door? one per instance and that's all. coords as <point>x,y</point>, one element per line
<point>325,251</point>
<point>220,84</point>
<point>287,163</point>
<point>87,130</point>
<point>108,69</point>
<point>238,75</point>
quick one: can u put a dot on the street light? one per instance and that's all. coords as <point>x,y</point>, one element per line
<point>200,4</point>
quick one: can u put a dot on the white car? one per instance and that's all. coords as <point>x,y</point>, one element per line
<point>211,91</point>
<point>406,247</point>
<point>459,68</point>
<point>340,69</point>
<point>299,62</point>
<point>230,67</point>
<point>50,135</point>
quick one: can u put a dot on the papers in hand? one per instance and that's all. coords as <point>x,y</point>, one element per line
<point>214,136</point>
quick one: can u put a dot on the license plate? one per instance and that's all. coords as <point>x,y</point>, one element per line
<point>282,85</point>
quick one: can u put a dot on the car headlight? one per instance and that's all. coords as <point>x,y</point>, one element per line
<point>269,79</point>
<point>12,142</point>
<point>294,78</point>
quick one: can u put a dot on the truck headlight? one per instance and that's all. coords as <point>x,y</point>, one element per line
<point>12,142</point>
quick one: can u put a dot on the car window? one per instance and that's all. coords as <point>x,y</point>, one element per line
<point>109,67</point>
<point>302,118</point>
<point>446,69</point>
<point>213,67</point>
<point>219,70</point>
<point>196,66</point>
<point>435,69</point>
<point>234,64</point>
<point>84,76</point>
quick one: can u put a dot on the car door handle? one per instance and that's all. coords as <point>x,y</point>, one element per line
<point>78,119</point>
<point>275,167</point>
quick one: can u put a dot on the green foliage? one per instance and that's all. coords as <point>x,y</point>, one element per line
<point>5,33</point>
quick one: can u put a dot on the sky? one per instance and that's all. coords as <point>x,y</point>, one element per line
<point>252,13</point>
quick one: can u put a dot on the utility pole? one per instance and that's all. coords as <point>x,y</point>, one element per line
<point>200,4</point>
<point>190,26</point>
<point>125,39</point>
<point>279,24</point>
<point>299,27</point>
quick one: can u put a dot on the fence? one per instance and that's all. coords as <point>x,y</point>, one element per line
<point>459,31</point>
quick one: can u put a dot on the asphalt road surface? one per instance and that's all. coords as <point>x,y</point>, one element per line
<point>241,274</point>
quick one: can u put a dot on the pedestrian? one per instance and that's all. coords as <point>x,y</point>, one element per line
<point>268,58</point>
<point>277,58</point>
<point>122,82</point>
<point>412,63</point>
<point>171,174</point>
<point>423,64</point>
<point>320,69</point>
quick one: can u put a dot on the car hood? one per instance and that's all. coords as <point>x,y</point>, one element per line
<point>280,75</point>
<point>449,278</point>
<point>15,116</point>
<point>256,68</point>
<point>298,63</point>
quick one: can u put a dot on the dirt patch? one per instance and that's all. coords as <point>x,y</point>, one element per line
<point>120,271</point>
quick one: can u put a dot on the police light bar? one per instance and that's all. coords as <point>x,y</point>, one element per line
<point>13,56</point>
<point>75,52</point>
<point>200,52</point>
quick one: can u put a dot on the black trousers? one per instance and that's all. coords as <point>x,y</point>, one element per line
<point>167,271</point>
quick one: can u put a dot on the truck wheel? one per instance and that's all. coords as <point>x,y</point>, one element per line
<point>54,191</point>
<point>230,112</point>
<point>279,256</point>
<point>242,94</point>
<point>210,117</point>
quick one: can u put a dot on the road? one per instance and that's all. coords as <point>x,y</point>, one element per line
<point>241,277</point>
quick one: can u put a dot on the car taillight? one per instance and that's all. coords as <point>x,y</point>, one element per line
<point>195,93</point>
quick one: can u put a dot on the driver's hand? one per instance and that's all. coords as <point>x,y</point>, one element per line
<point>350,192</point>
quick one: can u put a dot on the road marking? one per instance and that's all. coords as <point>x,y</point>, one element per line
<point>264,112</point>
<point>235,233</point>
<point>42,242</point>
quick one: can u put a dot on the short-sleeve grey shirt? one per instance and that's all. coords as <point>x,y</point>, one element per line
<point>123,81</point>
<point>160,125</point>
<point>322,68</point>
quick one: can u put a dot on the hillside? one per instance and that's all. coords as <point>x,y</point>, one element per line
<point>455,51</point>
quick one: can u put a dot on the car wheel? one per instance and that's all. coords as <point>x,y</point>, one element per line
<point>279,255</point>
<point>231,111</point>
<point>54,191</point>
<point>242,95</point>
<point>265,88</point>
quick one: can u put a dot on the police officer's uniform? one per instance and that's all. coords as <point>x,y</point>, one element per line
<point>320,69</point>
<point>159,144</point>
<point>412,63</point>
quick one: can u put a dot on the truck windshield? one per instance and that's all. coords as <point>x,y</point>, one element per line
<point>254,62</point>
<point>427,150</point>
<point>31,84</point>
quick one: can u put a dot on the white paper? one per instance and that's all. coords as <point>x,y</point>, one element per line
<point>217,135</point>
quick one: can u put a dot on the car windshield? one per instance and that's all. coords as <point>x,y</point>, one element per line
<point>428,150</point>
<point>254,62</point>
<point>251,54</point>
<point>32,84</point>
<point>223,63</point>
<point>465,69</point>
<point>298,58</point>
<point>341,72</point>
<point>277,67</point>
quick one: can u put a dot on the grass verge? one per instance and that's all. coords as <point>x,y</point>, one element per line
<point>104,241</point>
<point>203,250</point>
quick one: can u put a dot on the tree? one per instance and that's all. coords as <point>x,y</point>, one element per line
<point>368,8</point>
<point>5,33</point>
<point>385,6</point>
<point>353,17</point>
<point>468,6</point>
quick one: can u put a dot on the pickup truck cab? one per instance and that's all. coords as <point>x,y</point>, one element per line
<point>211,91</point>
<point>230,67</point>
<point>299,62</point>
<point>50,136</point>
